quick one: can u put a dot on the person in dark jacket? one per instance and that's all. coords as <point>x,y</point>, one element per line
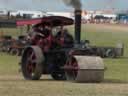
<point>64,38</point>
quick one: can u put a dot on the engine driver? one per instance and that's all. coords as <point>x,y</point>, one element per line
<point>64,38</point>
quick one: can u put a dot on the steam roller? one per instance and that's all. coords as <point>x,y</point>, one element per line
<point>73,63</point>
<point>84,69</point>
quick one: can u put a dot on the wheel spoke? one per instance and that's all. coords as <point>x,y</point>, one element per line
<point>31,68</point>
<point>31,62</point>
<point>31,57</point>
<point>72,67</point>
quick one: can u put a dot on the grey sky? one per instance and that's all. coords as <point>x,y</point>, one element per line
<point>58,5</point>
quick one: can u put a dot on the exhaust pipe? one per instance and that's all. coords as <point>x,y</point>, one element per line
<point>77,26</point>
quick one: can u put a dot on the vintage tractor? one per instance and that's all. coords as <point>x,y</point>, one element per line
<point>48,55</point>
<point>5,43</point>
<point>18,45</point>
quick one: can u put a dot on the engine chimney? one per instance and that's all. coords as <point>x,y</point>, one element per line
<point>77,26</point>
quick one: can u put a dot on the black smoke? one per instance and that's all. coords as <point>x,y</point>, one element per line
<point>74,3</point>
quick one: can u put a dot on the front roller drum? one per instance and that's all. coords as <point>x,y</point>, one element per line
<point>84,69</point>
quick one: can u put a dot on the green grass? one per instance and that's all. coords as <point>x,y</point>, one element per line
<point>8,64</point>
<point>116,75</point>
<point>13,31</point>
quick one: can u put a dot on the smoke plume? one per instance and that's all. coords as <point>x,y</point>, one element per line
<point>74,3</point>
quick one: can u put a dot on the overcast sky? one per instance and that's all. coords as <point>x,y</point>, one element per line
<point>58,5</point>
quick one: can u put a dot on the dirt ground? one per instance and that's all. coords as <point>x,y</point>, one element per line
<point>17,86</point>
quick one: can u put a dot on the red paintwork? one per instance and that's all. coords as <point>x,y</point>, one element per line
<point>27,22</point>
<point>53,20</point>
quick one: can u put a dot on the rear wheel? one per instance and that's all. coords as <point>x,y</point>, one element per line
<point>31,64</point>
<point>57,71</point>
<point>58,74</point>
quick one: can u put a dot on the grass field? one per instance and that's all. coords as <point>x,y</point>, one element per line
<point>115,83</point>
